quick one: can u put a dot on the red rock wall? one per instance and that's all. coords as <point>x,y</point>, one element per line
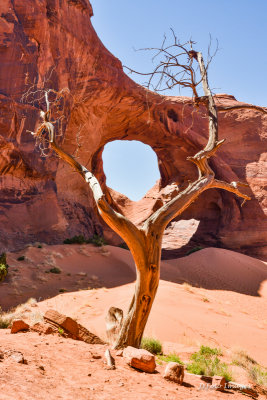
<point>41,199</point>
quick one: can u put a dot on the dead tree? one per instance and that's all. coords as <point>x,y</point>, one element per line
<point>145,241</point>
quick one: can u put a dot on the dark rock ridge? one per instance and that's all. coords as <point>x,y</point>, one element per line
<point>41,199</point>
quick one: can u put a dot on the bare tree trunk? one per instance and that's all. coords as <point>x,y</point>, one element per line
<point>147,281</point>
<point>145,242</point>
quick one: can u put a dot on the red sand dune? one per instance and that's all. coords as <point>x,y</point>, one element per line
<point>225,306</point>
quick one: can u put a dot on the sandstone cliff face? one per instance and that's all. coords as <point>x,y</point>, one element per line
<point>41,199</point>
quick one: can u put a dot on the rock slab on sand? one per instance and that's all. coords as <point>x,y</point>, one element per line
<point>174,372</point>
<point>140,359</point>
<point>77,331</point>
<point>19,325</point>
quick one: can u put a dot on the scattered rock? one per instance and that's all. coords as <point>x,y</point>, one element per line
<point>81,273</point>
<point>109,360</point>
<point>76,330</point>
<point>96,356</point>
<point>19,325</point>
<point>43,328</point>
<point>140,359</point>
<point>174,372</point>
<point>218,382</point>
<point>18,357</point>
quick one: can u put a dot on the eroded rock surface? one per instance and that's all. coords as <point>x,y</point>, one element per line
<point>53,42</point>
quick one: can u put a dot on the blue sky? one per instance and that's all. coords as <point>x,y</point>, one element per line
<point>239,67</point>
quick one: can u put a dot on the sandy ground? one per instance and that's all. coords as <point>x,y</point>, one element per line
<point>65,369</point>
<point>220,298</point>
<point>214,297</point>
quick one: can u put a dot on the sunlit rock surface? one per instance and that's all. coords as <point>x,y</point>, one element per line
<point>42,199</point>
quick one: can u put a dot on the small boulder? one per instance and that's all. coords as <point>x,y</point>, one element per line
<point>218,382</point>
<point>140,359</point>
<point>18,357</point>
<point>174,372</point>
<point>19,325</point>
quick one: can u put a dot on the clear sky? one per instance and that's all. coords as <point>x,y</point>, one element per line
<point>239,67</point>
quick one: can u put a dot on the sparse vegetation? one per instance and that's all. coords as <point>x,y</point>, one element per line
<point>60,331</point>
<point>207,362</point>
<point>54,270</point>
<point>256,372</point>
<point>205,299</point>
<point>172,357</point>
<point>4,321</point>
<point>79,239</point>
<point>21,258</point>
<point>123,246</point>
<point>197,248</point>
<point>3,267</point>
<point>97,240</point>
<point>21,311</point>
<point>62,290</point>
<point>152,345</point>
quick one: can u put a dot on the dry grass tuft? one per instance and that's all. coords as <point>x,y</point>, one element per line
<point>23,311</point>
<point>256,372</point>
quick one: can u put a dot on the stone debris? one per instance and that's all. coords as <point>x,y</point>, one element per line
<point>18,357</point>
<point>140,359</point>
<point>174,372</point>
<point>218,382</point>
<point>75,330</point>
<point>19,325</point>
<point>44,328</point>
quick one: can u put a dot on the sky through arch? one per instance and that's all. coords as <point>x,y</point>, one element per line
<point>131,167</point>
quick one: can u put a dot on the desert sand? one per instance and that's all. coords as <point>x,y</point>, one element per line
<point>214,296</point>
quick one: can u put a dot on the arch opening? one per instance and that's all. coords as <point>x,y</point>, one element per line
<point>131,167</point>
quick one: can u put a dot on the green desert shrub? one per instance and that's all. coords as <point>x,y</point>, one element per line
<point>3,267</point>
<point>206,362</point>
<point>197,248</point>
<point>97,240</point>
<point>54,270</point>
<point>79,239</point>
<point>21,258</point>
<point>152,345</point>
<point>172,357</point>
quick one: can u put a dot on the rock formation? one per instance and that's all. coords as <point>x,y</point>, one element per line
<point>41,199</point>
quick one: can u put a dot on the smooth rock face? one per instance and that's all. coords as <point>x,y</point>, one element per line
<point>52,44</point>
<point>19,325</point>
<point>140,359</point>
<point>174,372</point>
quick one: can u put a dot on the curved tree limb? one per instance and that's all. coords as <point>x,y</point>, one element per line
<point>118,222</point>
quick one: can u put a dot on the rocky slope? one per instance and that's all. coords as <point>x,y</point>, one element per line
<point>52,43</point>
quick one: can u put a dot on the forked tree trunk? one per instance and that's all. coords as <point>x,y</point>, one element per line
<point>145,242</point>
